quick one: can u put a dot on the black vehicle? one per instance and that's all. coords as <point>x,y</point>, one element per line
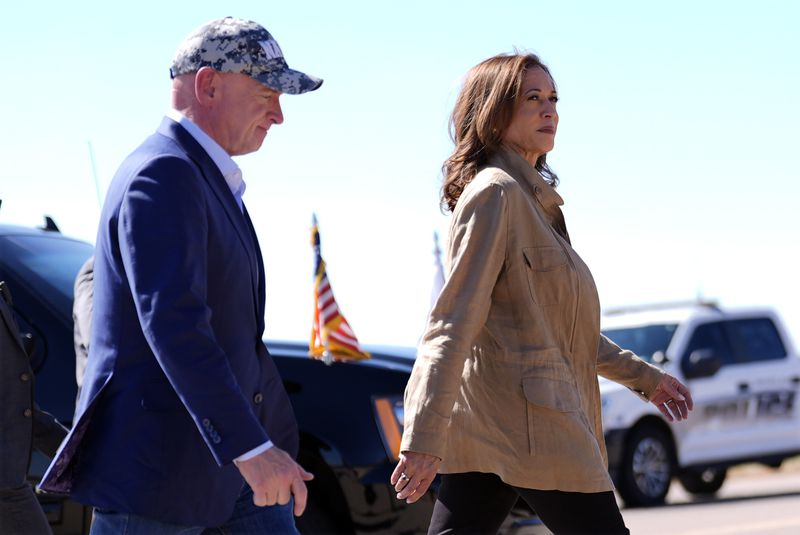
<point>349,413</point>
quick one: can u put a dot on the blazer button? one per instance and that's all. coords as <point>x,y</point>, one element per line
<point>25,377</point>
<point>258,398</point>
<point>27,413</point>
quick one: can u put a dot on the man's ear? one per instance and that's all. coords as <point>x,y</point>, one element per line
<point>207,84</point>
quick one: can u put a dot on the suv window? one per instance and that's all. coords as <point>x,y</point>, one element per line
<point>46,264</point>
<point>755,340</point>
<point>51,260</point>
<point>644,341</point>
<point>709,338</point>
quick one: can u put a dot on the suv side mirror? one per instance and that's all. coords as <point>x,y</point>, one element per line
<point>701,363</point>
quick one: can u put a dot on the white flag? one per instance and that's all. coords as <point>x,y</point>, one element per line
<point>438,273</point>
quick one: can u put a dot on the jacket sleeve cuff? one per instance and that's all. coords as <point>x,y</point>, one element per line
<point>428,443</point>
<point>255,451</point>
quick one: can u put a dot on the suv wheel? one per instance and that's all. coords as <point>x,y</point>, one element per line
<point>706,481</point>
<point>315,521</point>
<point>647,467</point>
<point>326,509</point>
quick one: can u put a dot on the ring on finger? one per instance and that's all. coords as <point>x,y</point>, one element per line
<point>404,476</point>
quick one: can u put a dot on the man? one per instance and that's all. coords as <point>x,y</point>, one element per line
<point>181,401</point>
<point>23,427</point>
<point>83,290</point>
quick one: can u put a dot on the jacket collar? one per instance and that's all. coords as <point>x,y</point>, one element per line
<point>216,181</point>
<point>518,167</point>
<point>211,172</point>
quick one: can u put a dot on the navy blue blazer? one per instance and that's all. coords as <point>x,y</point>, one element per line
<point>179,382</point>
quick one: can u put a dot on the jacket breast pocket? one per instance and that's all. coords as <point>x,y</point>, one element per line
<point>548,274</point>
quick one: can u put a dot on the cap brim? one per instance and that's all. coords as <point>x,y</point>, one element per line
<point>289,81</point>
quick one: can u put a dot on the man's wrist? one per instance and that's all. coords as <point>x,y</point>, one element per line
<point>255,451</point>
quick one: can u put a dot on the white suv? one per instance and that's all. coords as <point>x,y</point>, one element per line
<point>744,375</point>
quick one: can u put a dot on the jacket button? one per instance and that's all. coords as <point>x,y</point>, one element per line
<point>25,377</point>
<point>258,398</point>
<point>27,413</point>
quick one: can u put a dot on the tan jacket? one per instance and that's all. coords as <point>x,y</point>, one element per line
<point>505,380</point>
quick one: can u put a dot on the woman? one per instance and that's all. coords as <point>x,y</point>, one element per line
<point>503,400</point>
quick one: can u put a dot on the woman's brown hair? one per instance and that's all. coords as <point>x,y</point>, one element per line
<point>482,113</point>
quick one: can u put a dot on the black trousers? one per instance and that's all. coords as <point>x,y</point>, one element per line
<point>20,512</point>
<point>476,504</point>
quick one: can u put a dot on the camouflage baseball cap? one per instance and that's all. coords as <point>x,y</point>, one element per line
<point>238,45</point>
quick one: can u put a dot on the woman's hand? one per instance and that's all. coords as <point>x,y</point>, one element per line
<point>413,475</point>
<point>672,398</point>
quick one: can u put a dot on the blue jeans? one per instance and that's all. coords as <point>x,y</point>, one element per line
<point>247,519</point>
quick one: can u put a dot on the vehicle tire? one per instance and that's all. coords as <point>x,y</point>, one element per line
<point>706,481</point>
<point>647,467</point>
<point>316,521</point>
<point>326,508</point>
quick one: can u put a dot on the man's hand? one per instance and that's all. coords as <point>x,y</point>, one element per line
<point>413,475</point>
<point>672,398</point>
<point>275,477</point>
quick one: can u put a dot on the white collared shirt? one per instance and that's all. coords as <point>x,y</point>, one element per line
<point>233,177</point>
<point>223,161</point>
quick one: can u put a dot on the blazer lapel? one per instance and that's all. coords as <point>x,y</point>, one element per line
<point>217,183</point>
<point>260,284</point>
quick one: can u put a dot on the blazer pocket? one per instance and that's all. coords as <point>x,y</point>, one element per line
<point>548,402</point>
<point>547,273</point>
<point>551,394</point>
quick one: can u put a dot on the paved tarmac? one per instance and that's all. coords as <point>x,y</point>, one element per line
<point>753,501</point>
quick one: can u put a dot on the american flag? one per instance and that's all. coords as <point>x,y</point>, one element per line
<point>332,338</point>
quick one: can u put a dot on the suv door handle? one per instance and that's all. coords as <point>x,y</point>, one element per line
<point>743,387</point>
<point>795,380</point>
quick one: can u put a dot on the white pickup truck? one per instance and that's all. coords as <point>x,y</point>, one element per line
<point>744,376</point>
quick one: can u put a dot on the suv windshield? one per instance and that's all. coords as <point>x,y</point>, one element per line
<point>47,263</point>
<point>645,341</point>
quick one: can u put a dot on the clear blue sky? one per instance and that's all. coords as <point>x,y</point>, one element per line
<point>676,147</point>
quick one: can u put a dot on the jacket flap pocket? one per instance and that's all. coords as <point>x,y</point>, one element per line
<point>544,258</point>
<point>551,393</point>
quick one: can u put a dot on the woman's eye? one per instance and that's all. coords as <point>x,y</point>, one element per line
<point>553,99</point>
<point>533,97</point>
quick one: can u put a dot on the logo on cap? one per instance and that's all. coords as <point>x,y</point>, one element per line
<point>271,49</point>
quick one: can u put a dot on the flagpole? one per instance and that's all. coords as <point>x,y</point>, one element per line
<point>332,338</point>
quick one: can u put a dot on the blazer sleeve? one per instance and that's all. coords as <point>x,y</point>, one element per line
<point>163,236</point>
<point>477,249</point>
<point>622,366</point>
